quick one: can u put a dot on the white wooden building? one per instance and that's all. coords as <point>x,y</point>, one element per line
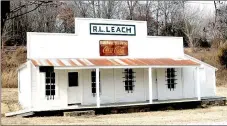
<point>115,58</point>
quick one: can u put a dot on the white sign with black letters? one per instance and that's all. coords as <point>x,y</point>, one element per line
<point>112,29</point>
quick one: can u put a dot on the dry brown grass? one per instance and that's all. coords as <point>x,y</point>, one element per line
<point>10,61</point>
<point>210,56</point>
<point>190,116</point>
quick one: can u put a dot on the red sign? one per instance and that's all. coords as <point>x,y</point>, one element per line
<point>113,47</point>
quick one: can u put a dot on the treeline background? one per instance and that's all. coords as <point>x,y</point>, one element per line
<point>164,18</point>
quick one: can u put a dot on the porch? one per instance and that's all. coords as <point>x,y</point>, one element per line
<point>149,84</point>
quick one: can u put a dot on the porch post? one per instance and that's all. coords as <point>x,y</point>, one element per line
<point>198,83</point>
<point>97,88</point>
<point>150,84</point>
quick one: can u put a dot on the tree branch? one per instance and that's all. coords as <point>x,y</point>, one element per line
<point>42,2</point>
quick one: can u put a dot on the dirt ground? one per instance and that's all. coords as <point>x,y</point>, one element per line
<point>212,115</point>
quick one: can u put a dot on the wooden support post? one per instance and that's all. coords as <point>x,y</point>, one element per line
<point>198,83</point>
<point>97,88</point>
<point>150,84</point>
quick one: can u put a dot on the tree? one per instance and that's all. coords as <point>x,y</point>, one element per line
<point>131,7</point>
<point>192,25</point>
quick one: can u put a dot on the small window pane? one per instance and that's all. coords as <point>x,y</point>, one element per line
<point>169,86</point>
<point>168,75</point>
<point>93,85</point>
<point>47,80</point>
<point>130,83</point>
<point>47,92</point>
<point>93,78</point>
<point>52,92</point>
<point>173,86</point>
<point>172,75</point>
<point>52,87</point>
<point>47,74</point>
<point>53,74</point>
<point>93,90</point>
<point>172,81</point>
<point>130,71</point>
<point>126,88</point>
<point>47,87</point>
<point>130,76</point>
<point>73,79</point>
<point>130,88</point>
<point>52,80</point>
<point>93,73</point>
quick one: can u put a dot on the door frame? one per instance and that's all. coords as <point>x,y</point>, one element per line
<point>79,87</point>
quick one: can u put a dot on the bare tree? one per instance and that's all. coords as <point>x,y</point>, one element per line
<point>82,7</point>
<point>192,23</point>
<point>131,7</point>
<point>108,8</point>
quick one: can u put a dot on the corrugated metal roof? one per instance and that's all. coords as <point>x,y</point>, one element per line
<point>114,62</point>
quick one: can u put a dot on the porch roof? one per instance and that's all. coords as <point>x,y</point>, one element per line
<point>88,62</point>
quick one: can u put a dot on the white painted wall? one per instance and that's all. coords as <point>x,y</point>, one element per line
<point>189,82</point>
<point>207,77</point>
<point>83,45</point>
<point>24,88</point>
<point>60,100</point>
<point>52,45</point>
<point>112,83</point>
<point>208,84</point>
<point>163,92</point>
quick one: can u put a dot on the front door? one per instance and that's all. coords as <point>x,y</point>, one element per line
<point>74,94</point>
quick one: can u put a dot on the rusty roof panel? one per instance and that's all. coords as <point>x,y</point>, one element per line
<point>114,62</point>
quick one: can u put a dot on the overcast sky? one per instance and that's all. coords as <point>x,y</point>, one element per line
<point>207,7</point>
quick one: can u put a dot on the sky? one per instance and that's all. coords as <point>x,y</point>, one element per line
<point>207,7</point>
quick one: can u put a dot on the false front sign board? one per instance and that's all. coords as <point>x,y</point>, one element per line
<point>113,47</point>
<point>112,29</point>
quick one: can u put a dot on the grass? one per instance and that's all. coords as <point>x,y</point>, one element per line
<point>10,61</point>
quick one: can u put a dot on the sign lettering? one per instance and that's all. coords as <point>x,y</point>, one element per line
<point>112,29</point>
<point>113,47</point>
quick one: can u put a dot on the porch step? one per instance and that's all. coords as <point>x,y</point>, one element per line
<point>80,113</point>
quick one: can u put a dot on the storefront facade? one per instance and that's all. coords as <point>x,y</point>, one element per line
<point>115,58</point>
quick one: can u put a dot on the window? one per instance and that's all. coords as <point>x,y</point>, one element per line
<point>93,82</point>
<point>171,80</point>
<point>50,85</point>
<point>73,79</point>
<point>129,80</point>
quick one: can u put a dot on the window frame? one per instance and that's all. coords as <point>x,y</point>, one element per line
<point>93,83</point>
<point>129,80</point>
<point>171,78</point>
<point>48,91</point>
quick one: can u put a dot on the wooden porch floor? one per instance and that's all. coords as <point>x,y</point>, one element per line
<point>137,103</point>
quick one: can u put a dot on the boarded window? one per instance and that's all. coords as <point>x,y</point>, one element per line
<point>171,78</point>
<point>73,79</point>
<point>129,80</point>
<point>50,85</point>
